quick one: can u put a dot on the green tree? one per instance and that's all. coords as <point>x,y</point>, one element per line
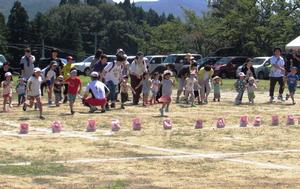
<point>63,2</point>
<point>74,2</point>
<point>3,41</point>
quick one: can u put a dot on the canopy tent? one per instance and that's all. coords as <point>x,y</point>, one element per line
<point>294,45</point>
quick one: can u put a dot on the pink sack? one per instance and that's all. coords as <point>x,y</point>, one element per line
<point>275,120</point>
<point>91,126</point>
<point>115,125</point>
<point>220,123</point>
<point>56,127</point>
<point>199,124</point>
<point>167,123</point>
<point>244,121</point>
<point>24,127</point>
<point>136,124</point>
<point>257,121</point>
<point>290,120</point>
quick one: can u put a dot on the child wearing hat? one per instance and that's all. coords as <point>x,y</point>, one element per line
<point>50,79</point>
<point>34,91</point>
<point>21,90</point>
<point>167,85</point>
<point>7,90</point>
<point>251,87</point>
<point>217,82</point>
<point>191,82</point>
<point>74,88</point>
<point>292,79</point>
<point>58,85</point>
<point>240,86</point>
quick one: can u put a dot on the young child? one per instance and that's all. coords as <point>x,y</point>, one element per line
<point>21,90</point>
<point>50,78</point>
<point>124,86</point>
<point>34,91</point>
<point>7,91</point>
<point>155,84</point>
<point>292,78</point>
<point>58,85</point>
<point>167,85</point>
<point>74,84</point>
<point>191,82</point>
<point>146,86</point>
<point>197,93</point>
<point>251,86</point>
<point>240,86</point>
<point>217,82</point>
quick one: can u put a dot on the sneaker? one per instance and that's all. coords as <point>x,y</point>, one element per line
<point>24,107</point>
<point>10,105</point>
<point>93,109</point>
<point>280,98</point>
<point>103,111</point>
<point>287,96</point>
<point>42,117</point>
<point>271,99</point>
<point>193,105</point>
<point>161,112</point>
<point>122,107</point>
<point>72,112</point>
<point>113,105</point>
<point>65,100</point>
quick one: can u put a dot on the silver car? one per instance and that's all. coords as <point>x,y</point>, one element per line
<point>261,67</point>
<point>154,61</point>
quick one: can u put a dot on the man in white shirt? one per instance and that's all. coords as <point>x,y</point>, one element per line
<point>27,64</point>
<point>277,73</point>
<point>113,75</point>
<point>99,92</point>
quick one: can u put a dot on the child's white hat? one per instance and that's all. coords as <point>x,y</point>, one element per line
<point>60,77</point>
<point>36,70</point>
<point>7,74</point>
<point>167,72</point>
<point>216,77</point>
<point>241,74</point>
<point>73,72</point>
<point>94,74</point>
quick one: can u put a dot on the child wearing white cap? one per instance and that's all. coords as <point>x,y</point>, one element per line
<point>240,86</point>
<point>7,90</point>
<point>34,91</point>
<point>251,87</point>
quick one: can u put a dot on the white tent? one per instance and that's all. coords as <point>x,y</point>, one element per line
<point>294,45</point>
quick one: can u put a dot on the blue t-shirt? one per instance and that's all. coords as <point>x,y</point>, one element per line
<point>292,80</point>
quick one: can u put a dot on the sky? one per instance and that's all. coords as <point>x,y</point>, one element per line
<point>133,0</point>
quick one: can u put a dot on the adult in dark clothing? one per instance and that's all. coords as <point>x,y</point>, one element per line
<point>182,75</point>
<point>5,68</point>
<point>248,69</point>
<point>54,57</point>
<point>27,64</point>
<point>96,59</point>
<point>100,65</point>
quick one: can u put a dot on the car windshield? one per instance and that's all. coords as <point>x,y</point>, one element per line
<point>2,58</point>
<point>170,59</point>
<point>258,61</point>
<point>224,60</point>
<point>88,59</point>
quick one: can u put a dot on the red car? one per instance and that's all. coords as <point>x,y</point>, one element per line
<point>226,67</point>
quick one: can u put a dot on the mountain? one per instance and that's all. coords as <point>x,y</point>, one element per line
<point>174,6</point>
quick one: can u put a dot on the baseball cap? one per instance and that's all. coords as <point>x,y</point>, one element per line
<point>73,72</point>
<point>36,70</point>
<point>7,74</point>
<point>94,74</point>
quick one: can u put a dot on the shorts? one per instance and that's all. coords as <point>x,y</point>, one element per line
<point>95,102</point>
<point>165,99</point>
<point>124,97</point>
<point>292,89</point>
<point>154,93</point>
<point>49,83</point>
<point>71,97</point>
<point>181,84</point>
<point>7,95</point>
<point>196,94</point>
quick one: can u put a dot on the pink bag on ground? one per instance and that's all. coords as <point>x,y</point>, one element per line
<point>275,120</point>
<point>24,127</point>
<point>290,120</point>
<point>257,121</point>
<point>244,121</point>
<point>220,123</point>
<point>115,125</point>
<point>56,127</point>
<point>199,124</point>
<point>167,123</point>
<point>91,126</point>
<point>136,124</point>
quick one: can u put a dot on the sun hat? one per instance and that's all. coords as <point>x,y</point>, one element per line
<point>7,74</point>
<point>216,77</point>
<point>36,70</point>
<point>241,74</point>
<point>60,77</point>
<point>73,72</point>
<point>167,72</point>
<point>94,74</point>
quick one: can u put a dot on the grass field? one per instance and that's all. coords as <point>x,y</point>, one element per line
<point>232,157</point>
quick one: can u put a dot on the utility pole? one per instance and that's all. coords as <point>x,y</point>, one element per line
<point>43,48</point>
<point>96,41</point>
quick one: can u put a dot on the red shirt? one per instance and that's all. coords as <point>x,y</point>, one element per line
<point>73,85</point>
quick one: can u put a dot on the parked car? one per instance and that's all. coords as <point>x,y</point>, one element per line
<point>227,66</point>
<point>44,62</point>
<point>155,61</point>
<point>261,67</point>
<point>208,60</point>
<point>2,60</point>
<point>84,66</point>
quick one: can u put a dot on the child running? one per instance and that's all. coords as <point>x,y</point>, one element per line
<point>292,79</point>
<point>7,91</point>
<point>58,85</point>
<point>74,88</point>
<point>21,90</point>
<point>251,87</point>
<point>191,81</point>
<point>240,86</point>
<point>124,86</point>
<point>34,91</point>
<point>155,85</point>
<point>50,78</point>
<point>146,86</point>
<point>217,82</point>
<point>167,85</point>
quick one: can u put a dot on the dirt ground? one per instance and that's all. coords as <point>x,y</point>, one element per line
<point>184,157</point>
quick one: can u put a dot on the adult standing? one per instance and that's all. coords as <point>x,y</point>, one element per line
<point>248,69</point>
<point>5,68</point>
<point>54,57</point>
<point>96,59</point>
<point>100,65</point>
<point>204,76</point>
<point>66,74</point>
<point>137,69</point>
<point>182,75</point>
<point>27,64</point>
<point>277,73</point>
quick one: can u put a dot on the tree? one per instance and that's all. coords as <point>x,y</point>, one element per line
<point>74,2</point>
<point>18,24</point>
<point>3,41</point>
<point>63,2</point>
<point>95,2</point>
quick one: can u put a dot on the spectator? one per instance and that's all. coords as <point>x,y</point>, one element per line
<point>100,65</point>
<point>27,64</point>
<point>54,57</point>
<point>5,68</point>
<point>96,59</point>
<point>248,69</point>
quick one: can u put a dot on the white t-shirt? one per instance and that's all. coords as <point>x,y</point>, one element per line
<point>113,74</point>
<point>97,88</point>
<point>35,86</point>
<point>155,85</point>
<point>190,84</point>
<point>275,72</point>
<point>51,75</point>
<point>138,69</point>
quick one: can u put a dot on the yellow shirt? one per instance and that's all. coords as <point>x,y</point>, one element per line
<point>66,70</point>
